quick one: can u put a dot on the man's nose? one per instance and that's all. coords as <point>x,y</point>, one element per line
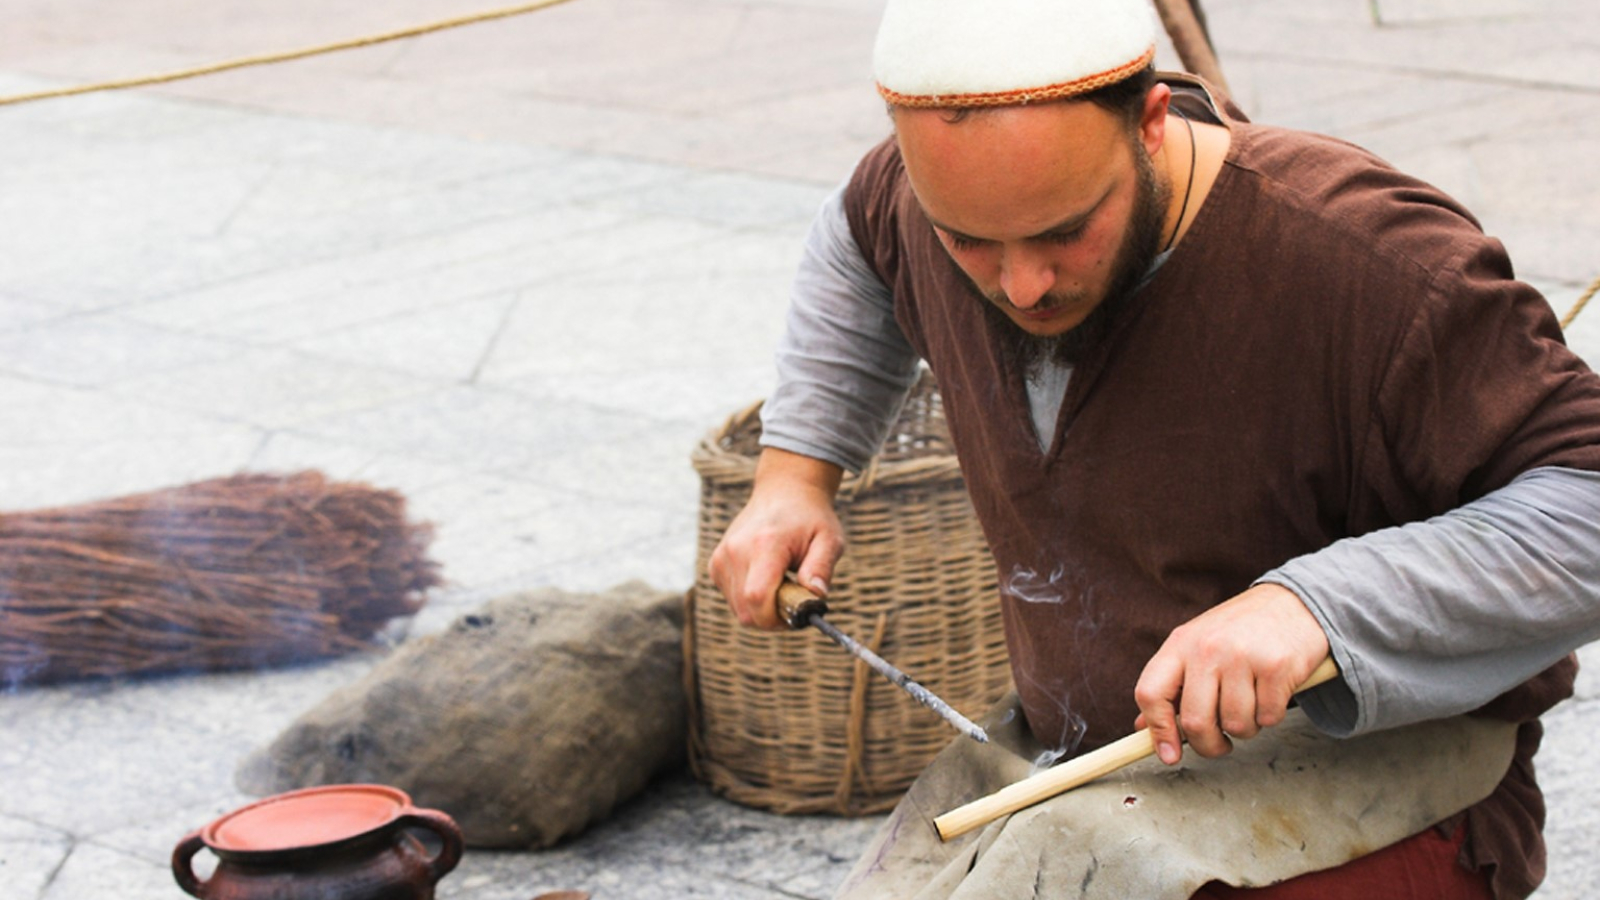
<point>1025,276</point>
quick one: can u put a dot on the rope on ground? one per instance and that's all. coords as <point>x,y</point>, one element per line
<point>1577,307</point>
<point>270,58</point>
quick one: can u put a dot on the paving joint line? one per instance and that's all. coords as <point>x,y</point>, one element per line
<point>1419,72</point>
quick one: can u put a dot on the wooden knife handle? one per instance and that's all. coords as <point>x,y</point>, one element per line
<point>1070,774</point>
<point>797,605</point>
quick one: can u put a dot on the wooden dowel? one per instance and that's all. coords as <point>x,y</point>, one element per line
<point>1070,774</point>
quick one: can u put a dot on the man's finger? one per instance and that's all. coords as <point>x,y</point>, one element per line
<point>1156,693</point>
<point>760,600</point>
<point>729,579</point>
<point>1236,706</point>
<point>816,571</point>
<point>1197,715</point>
<point>1272,700</point>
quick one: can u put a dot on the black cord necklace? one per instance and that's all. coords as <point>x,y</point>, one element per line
<point>1187,188</point>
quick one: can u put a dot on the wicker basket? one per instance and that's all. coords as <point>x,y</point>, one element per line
<point>791,722</point>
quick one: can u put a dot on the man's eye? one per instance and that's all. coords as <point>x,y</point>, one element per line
<point>963,243</point>
<point>1063,237</point>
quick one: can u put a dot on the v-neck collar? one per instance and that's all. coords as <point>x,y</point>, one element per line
<point>1195,99</point>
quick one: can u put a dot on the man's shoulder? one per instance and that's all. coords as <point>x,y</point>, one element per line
<point>879,174</point>
<point>1334,191</point>
<point>879,203</point>
<point>1301,157</point>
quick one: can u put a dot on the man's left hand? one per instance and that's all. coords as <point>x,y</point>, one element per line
<point>1229,672</point>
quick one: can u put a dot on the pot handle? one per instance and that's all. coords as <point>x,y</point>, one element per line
<point>449,837</point>
<point>182,859</point>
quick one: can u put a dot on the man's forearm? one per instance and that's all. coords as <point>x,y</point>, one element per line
<point>1438,617</point>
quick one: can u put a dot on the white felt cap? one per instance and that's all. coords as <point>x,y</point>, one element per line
<point>964,53</point>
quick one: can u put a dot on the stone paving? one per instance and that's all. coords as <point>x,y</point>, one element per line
<point>515,271</point>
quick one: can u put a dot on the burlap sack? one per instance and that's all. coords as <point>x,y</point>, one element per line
<point>525,721</point>
<point>1287,802</point>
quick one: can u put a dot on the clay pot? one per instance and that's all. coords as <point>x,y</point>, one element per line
<point>341,842</point>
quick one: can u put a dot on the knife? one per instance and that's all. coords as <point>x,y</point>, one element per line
<point>800,607</point>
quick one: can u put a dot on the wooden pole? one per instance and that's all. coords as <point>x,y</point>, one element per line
<point>1189,39</point>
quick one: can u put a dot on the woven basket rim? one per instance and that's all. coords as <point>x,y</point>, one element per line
<point>718,463</point>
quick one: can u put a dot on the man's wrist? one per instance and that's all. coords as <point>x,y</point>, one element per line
<point>796,471</point>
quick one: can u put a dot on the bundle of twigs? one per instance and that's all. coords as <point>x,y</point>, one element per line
<point>231,573</point>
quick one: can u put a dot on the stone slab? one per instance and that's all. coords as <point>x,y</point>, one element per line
<point>516,271</point>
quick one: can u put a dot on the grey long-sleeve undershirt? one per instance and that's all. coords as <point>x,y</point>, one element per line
<point>1426,620</point>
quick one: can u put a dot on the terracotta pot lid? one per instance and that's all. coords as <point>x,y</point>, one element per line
<point>307,818</point>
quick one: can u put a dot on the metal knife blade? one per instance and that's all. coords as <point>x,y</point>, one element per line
<point>800,607</point>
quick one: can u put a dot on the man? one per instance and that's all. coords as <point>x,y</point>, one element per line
<point>1235,398</point>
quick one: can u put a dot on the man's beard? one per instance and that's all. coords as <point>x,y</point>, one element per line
<point>1140,246</point>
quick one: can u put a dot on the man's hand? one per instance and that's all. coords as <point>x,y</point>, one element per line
<point>1229,672</point>
<point>788,523</point>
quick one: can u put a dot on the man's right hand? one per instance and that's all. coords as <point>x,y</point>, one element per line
<point>789,523</point>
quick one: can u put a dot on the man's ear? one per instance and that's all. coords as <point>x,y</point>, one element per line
<point>1153,118</point>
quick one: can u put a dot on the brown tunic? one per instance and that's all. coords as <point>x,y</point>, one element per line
<point>1332,349</point>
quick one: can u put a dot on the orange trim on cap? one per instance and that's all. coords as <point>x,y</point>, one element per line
<point>1021,96</point>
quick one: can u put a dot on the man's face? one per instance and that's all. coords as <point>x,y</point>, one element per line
<point>1050,210</point>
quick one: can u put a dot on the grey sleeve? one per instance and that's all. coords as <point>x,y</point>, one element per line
<point>1436,618</point>
<point>844,365</point>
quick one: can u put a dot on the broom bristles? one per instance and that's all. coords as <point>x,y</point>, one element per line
<point>239,572</point>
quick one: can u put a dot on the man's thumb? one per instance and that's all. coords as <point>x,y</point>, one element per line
<point>816,570</point>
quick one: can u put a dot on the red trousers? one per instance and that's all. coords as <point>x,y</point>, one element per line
<point>1421,867</point>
